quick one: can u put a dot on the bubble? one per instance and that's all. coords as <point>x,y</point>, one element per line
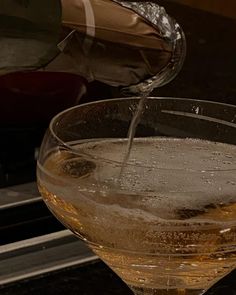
<point>227,163</point>
<point>231,182</point>
<point>228,156</point>
<point>77,167</point>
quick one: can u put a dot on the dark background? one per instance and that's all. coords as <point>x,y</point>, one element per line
<point>209,69</point>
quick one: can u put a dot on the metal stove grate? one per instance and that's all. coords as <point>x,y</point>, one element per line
<point>32,241</point>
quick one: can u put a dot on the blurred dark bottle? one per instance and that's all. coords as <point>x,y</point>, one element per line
<point>29,35</point>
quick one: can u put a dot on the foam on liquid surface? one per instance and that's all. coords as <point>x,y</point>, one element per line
<point>164,177</point>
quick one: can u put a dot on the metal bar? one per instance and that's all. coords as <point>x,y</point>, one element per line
<point>23,214</point>
<point>19,195</point>
<point>26,244</point>
<point>26,259</point>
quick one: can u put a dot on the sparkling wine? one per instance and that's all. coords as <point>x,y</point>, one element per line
<point>132,128</point>
<point>170,220</point>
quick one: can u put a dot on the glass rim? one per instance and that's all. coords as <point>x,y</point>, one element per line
<point>69,147</point>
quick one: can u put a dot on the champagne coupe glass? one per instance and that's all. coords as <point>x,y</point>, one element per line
<point>167,224</point>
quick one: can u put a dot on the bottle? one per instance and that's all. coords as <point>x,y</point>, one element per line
<point>132,45</point>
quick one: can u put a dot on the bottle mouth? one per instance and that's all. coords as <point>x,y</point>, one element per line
<point>171,32</point>
<point>168,73</point>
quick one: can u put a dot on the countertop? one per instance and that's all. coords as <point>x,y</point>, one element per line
<point>93,279</point>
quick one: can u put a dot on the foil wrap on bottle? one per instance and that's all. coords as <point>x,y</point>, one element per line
<point>120,43</point>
